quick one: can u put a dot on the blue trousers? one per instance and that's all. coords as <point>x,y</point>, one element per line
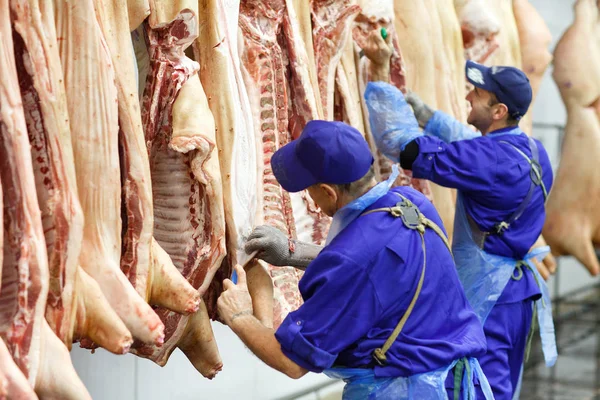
<point>506,330</point>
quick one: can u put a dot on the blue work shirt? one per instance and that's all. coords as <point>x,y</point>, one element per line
<point>359,287</point>
<point>494,179</point>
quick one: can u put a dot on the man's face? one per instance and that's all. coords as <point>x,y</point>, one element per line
<point>325,196</point>
<point>482,114</point>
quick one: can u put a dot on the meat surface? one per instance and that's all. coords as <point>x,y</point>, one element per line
<point>14,384</point>
<point>479,28</point>
<point>25,265</point>
<point>534,40</point>
<point>186,181</point>
<point>94,122</point>
<point>282,100</point>
<point>332,28</point>
<point>347,93</point>
<point>239,148</point>
<point>137,11</point>
<point>264,71</point>
<point>375,15</point>
<point>450,59</point>
<point>572,224</point>
<point>421,49</point>
<point>34,347</point>
<point>46,116</point>
<point>170,289</point>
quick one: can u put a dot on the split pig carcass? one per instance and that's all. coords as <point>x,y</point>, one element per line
<point>274,66</point>
<point>94,122</point>
<point>186,181</point>
<point>76,307</point>
<point>572,224</point>
<point>31,342</point>
<point>143,260</point>
<point>332,23</point>
<point>239,149</point>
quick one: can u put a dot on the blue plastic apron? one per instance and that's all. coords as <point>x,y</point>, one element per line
<point>362,384</point>
<point>484,276</point>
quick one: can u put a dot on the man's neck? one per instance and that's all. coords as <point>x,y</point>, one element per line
<point>497,126</point>
<point>349,199</point>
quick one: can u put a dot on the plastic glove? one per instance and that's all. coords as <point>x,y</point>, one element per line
<point>392,121</point>
<point>422,111</point>
<point>275,248</point>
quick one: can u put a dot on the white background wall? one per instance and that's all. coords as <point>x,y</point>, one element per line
<point>244,377</point>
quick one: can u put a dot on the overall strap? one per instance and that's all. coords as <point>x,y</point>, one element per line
<point>535,174</point>
<point>415,220</point>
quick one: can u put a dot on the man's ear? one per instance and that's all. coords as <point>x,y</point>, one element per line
<point>329,191</point>
<point>500,111</point>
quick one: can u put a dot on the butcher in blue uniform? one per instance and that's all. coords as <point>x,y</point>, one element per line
<point>383,306</point>
<point>503,178</point>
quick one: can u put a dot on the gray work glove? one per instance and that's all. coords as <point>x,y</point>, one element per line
<point>275,248</point>
<point>422,111</point>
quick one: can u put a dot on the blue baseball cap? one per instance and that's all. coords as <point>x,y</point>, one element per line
<point>510,85</point>
<point>325,152</point>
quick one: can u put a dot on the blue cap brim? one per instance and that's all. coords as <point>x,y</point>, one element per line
<point>479,76</point>
<point>289,171</point>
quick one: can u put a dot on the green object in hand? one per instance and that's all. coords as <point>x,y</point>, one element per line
<point>384,33</point>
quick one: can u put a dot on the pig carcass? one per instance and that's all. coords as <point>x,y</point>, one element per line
<point>572,225</point>
<point>239,150</point>
<point>33,345</point>
<point>186,181</point>
<point>76,307</point>
<point>479,28</point>
<point>92,99</point>
<point>275,67</point>
<point>155,278</point>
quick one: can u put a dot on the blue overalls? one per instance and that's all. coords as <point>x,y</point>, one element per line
<point>368,308</point>
<point>499,215</point>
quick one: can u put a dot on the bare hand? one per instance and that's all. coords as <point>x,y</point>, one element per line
<point>235,301</point>
<point>547,266</point>
<point>378,50</point>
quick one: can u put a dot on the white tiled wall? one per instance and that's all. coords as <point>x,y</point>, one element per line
<point>244,377</point>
